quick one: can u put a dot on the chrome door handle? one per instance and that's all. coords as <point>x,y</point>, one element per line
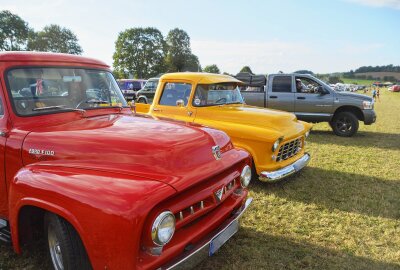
<point>156,110</point>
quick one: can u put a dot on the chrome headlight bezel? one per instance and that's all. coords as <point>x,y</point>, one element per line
<point>276,144</point>
<point>368,105</point>
<point>307,134</point>
<point>245,176</point>
<point>157,226</point>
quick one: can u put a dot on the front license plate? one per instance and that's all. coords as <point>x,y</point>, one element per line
<point>224,236</point>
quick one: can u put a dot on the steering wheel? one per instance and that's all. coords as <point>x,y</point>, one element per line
<point>222,100</point>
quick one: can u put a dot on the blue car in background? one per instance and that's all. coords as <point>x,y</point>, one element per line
<point>129,87</point>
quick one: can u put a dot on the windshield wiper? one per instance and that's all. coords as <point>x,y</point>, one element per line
<point>49,108</point>
<point>56,107</point>
<point>97,101</point>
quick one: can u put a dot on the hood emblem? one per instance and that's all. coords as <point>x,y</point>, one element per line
<point>216,152</point>
<point>219,193</point>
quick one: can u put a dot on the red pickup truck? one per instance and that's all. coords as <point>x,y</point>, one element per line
<point>110,190</point>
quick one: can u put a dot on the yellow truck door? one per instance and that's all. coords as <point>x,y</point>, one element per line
<point>174,101</point>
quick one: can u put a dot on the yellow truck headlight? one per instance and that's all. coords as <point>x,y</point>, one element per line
<point>276,144</point>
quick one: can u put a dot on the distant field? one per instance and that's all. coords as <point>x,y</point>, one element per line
<point>358,81</point>
<point>380,74</point>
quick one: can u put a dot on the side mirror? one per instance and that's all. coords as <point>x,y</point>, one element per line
<point>180,103</point>
<point>320,90</point>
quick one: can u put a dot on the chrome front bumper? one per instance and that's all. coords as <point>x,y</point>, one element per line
<point>286,171</point>
<point>201,251</point>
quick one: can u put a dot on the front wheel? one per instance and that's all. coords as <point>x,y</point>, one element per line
<point>344,124</point>
<point>65,247</point>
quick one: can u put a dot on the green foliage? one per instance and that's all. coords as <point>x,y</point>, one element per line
<point>334,79</point>
<point>304,71</point>
<point>140,52</point>
<point>14,32</point>
<point>54,38</point>
<point>246,69</point>
<point>212,69</point>
<point>192,64</point>
<point>387,68</point>
<point>178,49</point>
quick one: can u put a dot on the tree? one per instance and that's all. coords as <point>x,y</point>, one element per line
<point>13,32</point>
<point>54,38</point>
<point>212,69</point>
<point>192,64</point>
<point>246,69</point>
<point>334,80</point>
<point>304,71</point>
<point>179,52</point>
<point>140,52</point>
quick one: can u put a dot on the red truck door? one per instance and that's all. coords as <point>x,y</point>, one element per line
<point>3,136</point>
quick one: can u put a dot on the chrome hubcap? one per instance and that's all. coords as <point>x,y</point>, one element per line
<point>55,249</point>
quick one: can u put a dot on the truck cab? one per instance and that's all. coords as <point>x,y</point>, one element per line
<point>311,100</point>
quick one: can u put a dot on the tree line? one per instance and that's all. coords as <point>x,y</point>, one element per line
<point>17,35</point>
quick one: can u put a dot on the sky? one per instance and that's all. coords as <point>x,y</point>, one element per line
<point>269,36</point>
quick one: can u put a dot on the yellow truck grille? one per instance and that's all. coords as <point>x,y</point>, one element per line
<point>289,149</point>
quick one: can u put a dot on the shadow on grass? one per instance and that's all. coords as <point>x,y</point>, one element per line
<point>361,138</point>
<point>34,257</point>
<point>251,249</point>
<point>348,192</point>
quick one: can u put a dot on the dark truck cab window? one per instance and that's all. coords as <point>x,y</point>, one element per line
<point>282,84</point>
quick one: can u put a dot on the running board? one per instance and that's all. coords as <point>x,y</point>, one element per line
<point>5,234</point>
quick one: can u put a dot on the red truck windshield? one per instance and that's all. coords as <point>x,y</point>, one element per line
<point>45,90</point>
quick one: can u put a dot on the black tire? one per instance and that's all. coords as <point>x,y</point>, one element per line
<point>344,124</point>
<point>65,247</point>
<point>142,100</point>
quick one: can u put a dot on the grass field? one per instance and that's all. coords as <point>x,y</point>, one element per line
<point>341,212</point>
<point>358,81</point>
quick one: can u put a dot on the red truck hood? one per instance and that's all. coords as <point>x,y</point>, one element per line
<point>177,154</point>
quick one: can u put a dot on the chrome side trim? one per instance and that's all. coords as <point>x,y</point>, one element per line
<point>200,251</point>
<point>313,114</point>
<point>286,171</point>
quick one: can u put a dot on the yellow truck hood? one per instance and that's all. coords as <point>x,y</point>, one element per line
<point>278,123</point>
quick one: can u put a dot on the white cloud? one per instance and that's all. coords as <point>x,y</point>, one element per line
<point>379,3</point>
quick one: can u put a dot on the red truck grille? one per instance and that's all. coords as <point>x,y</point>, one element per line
<point>199,208</point>
<point>289,149</point>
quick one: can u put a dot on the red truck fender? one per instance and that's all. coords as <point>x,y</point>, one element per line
<point>99,205</point>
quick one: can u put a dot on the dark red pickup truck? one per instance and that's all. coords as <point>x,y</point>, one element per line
<point>111,190</point>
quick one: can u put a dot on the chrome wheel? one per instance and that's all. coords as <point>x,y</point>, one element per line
<point>55,249</point>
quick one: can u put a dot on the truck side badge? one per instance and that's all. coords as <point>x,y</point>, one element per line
<point>216,152</point>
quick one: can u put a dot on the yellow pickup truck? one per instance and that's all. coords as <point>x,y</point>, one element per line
<point>275,139</point>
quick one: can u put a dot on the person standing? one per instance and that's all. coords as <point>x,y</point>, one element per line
<point>374,94</point>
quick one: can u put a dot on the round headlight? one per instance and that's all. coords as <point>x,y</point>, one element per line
<point>163,228</point>
<point>245,176</point>
<point>276,144</point>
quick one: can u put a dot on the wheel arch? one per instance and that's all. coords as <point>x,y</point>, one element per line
<point>348,108</point>
<point>30,213</point>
